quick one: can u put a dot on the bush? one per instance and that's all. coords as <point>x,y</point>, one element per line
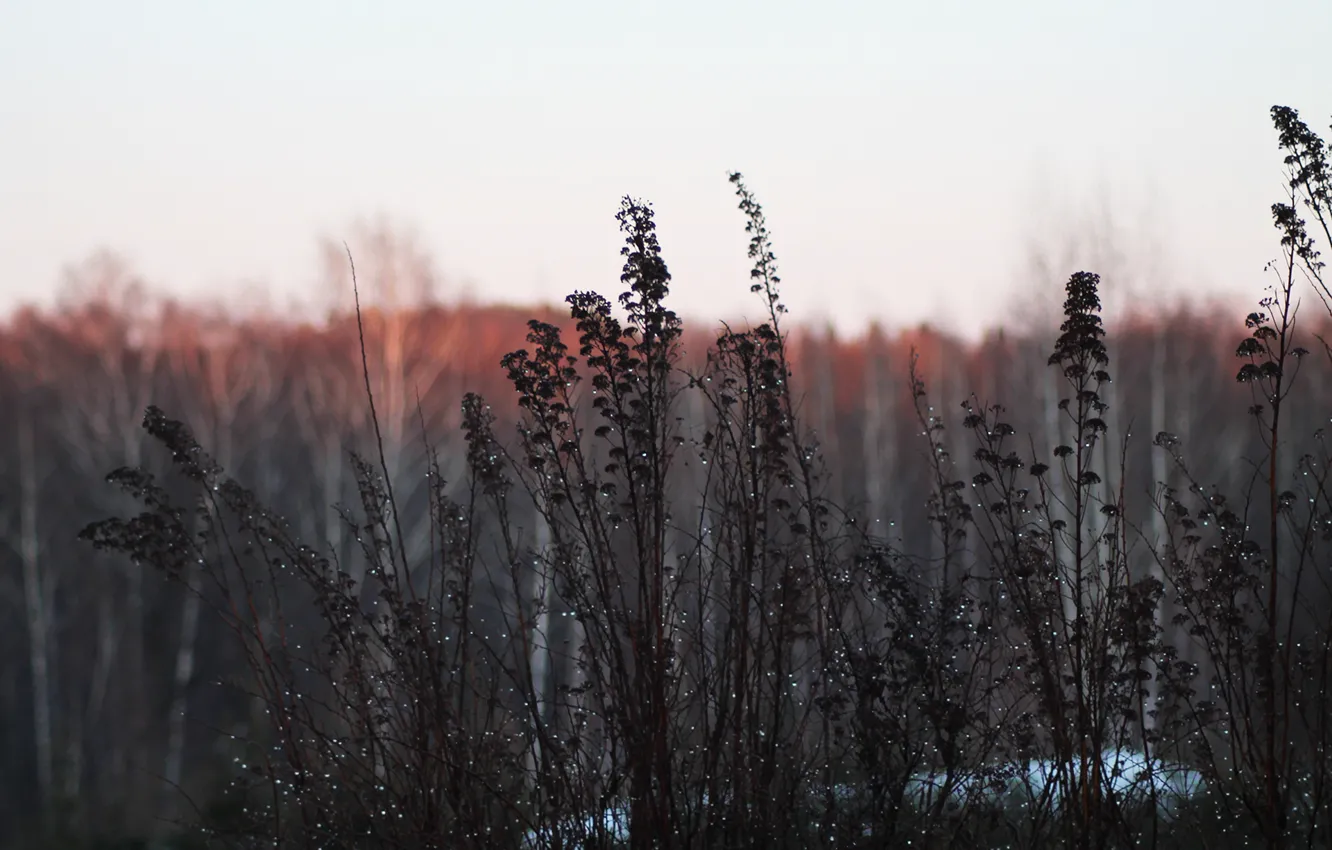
<point>645,628</point>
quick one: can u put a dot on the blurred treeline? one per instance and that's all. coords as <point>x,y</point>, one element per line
<point>115,687</point>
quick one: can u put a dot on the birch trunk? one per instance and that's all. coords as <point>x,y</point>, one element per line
<point>1160,478</point>
<point>182,676</point>
<point>36,597</point>
<point>543,593</point>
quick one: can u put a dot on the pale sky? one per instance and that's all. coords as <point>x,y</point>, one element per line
<point>910,155</point>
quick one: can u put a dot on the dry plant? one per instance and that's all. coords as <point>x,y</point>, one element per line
<point>642,622</point>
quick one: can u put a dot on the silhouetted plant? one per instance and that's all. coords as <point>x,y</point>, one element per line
<point>645,623</point>
<point>1249,567</point>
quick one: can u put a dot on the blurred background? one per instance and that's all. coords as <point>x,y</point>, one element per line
<point>177,182</point>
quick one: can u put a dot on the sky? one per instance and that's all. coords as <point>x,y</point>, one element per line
<point>948,161</point>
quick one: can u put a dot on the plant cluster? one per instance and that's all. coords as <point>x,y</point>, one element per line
<point>644,628</point>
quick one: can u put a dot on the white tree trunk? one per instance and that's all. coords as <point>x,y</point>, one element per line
<point>36,597</point>
<point>183,675</point>
<point>543,593</point>
<point>1160,477</point>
